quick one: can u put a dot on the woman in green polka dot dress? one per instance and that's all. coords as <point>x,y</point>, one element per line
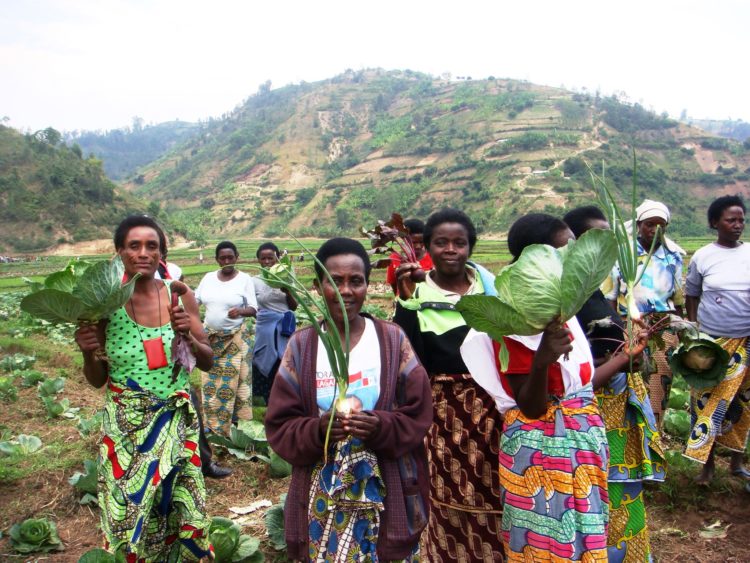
<point>151,490</point>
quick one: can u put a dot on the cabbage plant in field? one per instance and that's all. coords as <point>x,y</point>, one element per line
<point>23,445</point>
<point>230,544</point>
<point>35,535</point>
<point>543,285</point>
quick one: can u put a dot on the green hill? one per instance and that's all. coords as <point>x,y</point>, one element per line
<point>327,157</point>
<point>125,150</point>
<point>50,194</point>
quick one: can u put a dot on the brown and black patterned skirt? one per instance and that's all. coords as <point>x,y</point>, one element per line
<point>463,445</point>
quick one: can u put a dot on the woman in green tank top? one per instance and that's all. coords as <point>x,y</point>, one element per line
<point>151,493</point>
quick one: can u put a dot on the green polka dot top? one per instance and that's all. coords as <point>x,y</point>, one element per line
<point>127,358</point>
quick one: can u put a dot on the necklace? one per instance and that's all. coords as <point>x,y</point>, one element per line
<point>153,347</point>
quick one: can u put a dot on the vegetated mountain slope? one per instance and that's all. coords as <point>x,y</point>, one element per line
<point>738,130</point>
<point>50,194</point>
<point>125,150</point>
<point>328,157</point>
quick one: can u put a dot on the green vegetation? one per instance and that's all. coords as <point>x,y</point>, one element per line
<point>124,150</point>
<point>50,194</point>
<point>321,159</point>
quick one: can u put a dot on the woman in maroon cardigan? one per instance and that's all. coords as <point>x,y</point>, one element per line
<point>372,496</point>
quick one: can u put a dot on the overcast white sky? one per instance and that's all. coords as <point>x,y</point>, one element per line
<point>95,64</point>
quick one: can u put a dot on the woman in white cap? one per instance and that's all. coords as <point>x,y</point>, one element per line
<point>659,290</point>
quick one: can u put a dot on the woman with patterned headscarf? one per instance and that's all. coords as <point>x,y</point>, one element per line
<point>659,290</point>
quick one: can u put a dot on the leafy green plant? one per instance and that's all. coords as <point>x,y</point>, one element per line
<point>542,285</point>
<point>86,482</point>
<point>230,544</point>
<point>91,425</point>
<point>35,535</point>
<point>97,555</point>
<point>71,296</point>
<point>16,362</point>
<point>59,408</point>
<point>8,391</point>
<point>31,377</point>
<point>677,423</point>
<point>699,360</point>
<point>246,441</point>
<point>51,387</point>
<point>679,399</point>
<point>23,445</point>
<point>274,519</point>
<point>278,466</point>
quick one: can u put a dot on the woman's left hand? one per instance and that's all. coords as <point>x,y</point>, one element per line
<point>363,425</point>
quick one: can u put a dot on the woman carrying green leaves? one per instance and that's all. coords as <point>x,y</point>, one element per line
<point>367,497</point>
<point>636,453</point>
<point>152,495</point>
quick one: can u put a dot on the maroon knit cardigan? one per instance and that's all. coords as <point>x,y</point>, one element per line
<point>405,411</point>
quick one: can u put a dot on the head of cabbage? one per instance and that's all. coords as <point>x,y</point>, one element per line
<point>699,360</point>
<point>544,284</point>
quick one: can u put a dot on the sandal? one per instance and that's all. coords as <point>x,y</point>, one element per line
<point>741,472</point>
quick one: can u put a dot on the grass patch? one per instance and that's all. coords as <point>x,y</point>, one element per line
<point>59,455</point>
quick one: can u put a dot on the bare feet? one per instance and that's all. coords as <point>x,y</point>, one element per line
<point>706,475</point>
<point>736,466</point>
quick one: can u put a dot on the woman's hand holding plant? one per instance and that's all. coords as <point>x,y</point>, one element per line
<point>363,425</point>
<point>87,338</point>
<point>406,283</point>
<point>337,428</point>
<point>556,341</point>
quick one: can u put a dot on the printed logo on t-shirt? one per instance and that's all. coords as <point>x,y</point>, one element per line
<point>363,387</point>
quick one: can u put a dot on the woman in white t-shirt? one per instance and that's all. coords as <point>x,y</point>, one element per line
<point>229,297</point>
<point>368,499</point>
<point>718,297</point>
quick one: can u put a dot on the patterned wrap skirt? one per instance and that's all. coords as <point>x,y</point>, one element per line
<point>721,414</point>
<point>636,455</point>
<point>227,387</point>
<point>462,452</point>
<point>346,499</point>
<point>151,491</point>
<point>553,474</point>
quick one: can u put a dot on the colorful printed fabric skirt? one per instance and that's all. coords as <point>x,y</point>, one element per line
<point>346,498</point>
<point>553,474</point>
<point>462,452</point>
<point>227,387</point>
<point>721,414</point>
<point>636,455</point>
<point>151,491</point>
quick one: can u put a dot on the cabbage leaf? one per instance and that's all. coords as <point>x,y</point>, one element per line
<point>80,293</point>
<point>544,284</point>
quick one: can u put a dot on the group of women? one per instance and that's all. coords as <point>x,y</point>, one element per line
<point>444,456</point>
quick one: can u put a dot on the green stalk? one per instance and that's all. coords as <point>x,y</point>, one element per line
<point>627,243</point>
<point>338,355</point>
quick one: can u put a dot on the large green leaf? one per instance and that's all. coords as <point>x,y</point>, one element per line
<point>53,305</point>
<point>279,467</point>
<point>86,482</point>
<point>531,285</point>
<point>587,263</point>
<point>64,280</point>
<point>247,547</point>
<point>101,290</point>
<point>491,315</point>
<point>97,555</point>
<point>274,518</point>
